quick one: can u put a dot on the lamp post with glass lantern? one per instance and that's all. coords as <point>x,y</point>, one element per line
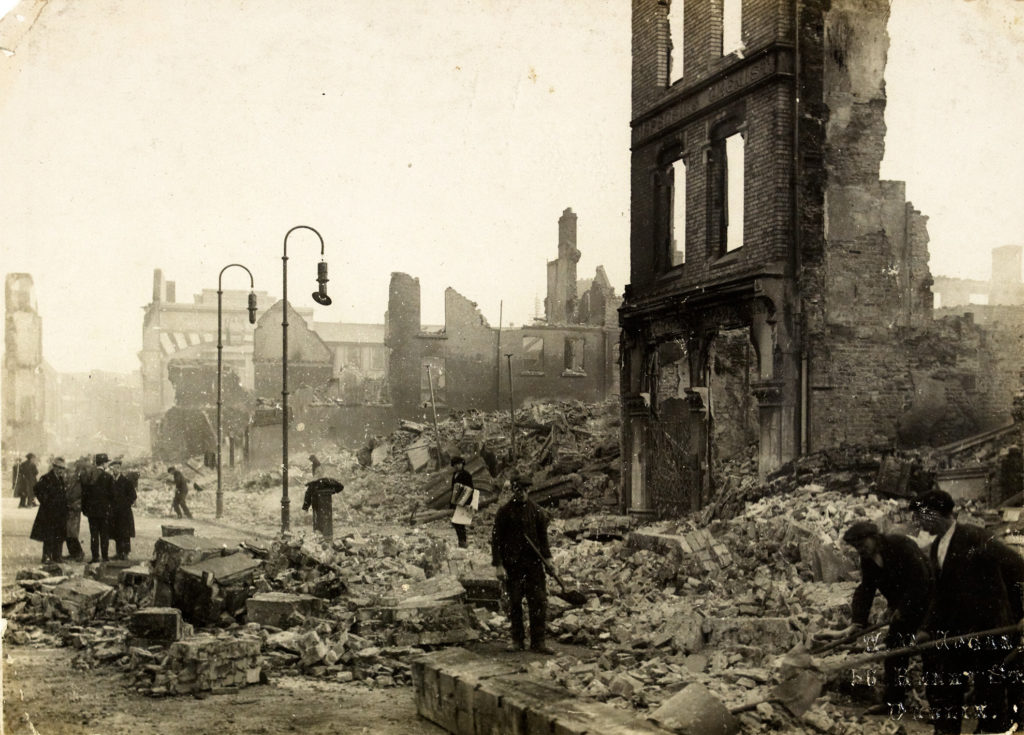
<point>319,296</point>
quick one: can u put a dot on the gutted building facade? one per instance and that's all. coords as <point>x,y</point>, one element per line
<point>773,276</point>
<point>570,353</point>
<point>24,379</point>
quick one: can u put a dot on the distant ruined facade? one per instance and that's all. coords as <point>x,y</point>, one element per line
<point>779,291</point>
<point>24,379</point>
<point>569,354</point>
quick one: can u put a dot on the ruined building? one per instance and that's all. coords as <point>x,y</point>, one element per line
<point>779,290</point>
<point>570,354</point>
<point>24,379</point>
<point>1004,289</point>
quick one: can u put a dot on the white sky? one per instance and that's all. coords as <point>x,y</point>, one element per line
<point>441,139</point>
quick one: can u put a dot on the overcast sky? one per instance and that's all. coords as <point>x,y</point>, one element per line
<point>442,139</point>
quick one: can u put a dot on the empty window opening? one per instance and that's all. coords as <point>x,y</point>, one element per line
<point>675,47</point>
<point>734,160</point>
<point>574,347</point>
<point>677,227</point>
<point>732,26</point>
<point>533,354</point>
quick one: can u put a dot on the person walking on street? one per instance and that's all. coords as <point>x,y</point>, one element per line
<point>96,488</point>
<point>894,565</point>
<point>51,518</point>
<point>979,585</point>
<point>463,501</point>
<point>519,541</point>
<point>122,520</point>
<point>74,517</point>
<point>25,476</point>
<point>178,505</point>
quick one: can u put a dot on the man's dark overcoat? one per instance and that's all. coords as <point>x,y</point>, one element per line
<point>51,518</point>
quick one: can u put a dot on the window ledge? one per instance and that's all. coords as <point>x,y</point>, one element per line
<point>534,373</point>
<point>574,374</point>
<point>731,257</point>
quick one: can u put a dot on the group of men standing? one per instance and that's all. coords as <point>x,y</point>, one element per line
<point>970,583</point>
<point>101,492</point>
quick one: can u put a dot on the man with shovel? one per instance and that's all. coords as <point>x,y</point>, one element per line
<point>894,565</point>
<point>519,547</point>
<point>979,583</point>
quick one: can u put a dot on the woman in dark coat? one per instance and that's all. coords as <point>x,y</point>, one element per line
<point>122,520</point>
<point>51,519</point>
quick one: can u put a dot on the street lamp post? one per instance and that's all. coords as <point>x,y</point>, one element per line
<point>319,296</point>
<point>220,349</point>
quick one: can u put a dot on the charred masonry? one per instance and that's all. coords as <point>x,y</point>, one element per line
<point>570,353</point>
<point>780,291</point>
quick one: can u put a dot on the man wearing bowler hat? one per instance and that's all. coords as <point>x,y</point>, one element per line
<point>519,540</point>
<point>96,490</point>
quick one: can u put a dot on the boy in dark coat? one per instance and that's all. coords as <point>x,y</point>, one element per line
<point>462,494</point>
<point>518,523</point>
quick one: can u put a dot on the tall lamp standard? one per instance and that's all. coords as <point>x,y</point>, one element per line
<point>319,296</point>
<point>220,349</point>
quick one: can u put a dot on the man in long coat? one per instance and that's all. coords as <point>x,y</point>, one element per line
<point>122,520</point>
<point>25,477</point>
<point>96,489</point>
<point>51,518</point>
<point>979,585</point>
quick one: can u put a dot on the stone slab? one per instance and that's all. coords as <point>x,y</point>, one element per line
<point>161,624</point>
<point>274,608</point>
<point>469,694</point>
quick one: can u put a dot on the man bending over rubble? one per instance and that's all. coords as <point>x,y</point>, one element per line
<point>518,543</point>
<point>894,565</point>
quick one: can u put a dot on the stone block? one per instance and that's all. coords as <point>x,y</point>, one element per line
<point>274,608</point>
<point>695,711</point>
<point>109,572</point>
<point>161,624</point>
<point>82,598</point>
<point>134,576</point>
<point>172,552</point>
<point>768,633</point>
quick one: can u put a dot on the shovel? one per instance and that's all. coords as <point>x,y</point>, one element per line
<point>846,639</point>
<point>809,677</point>
<point>573,597</point>
<point>802,680</point>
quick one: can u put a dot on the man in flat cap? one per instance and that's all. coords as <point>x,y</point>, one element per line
<point>519,540</point>
<point>894,565</point>
<point>979,583</point>
<point>462,500</point>
<point>51,518</point>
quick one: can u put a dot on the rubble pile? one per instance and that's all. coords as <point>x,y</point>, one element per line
<point>204,663</point>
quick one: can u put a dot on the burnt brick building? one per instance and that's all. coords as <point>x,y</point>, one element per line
<point>759,219</point>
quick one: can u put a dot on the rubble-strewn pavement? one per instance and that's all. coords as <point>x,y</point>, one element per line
<point>717,599</point>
